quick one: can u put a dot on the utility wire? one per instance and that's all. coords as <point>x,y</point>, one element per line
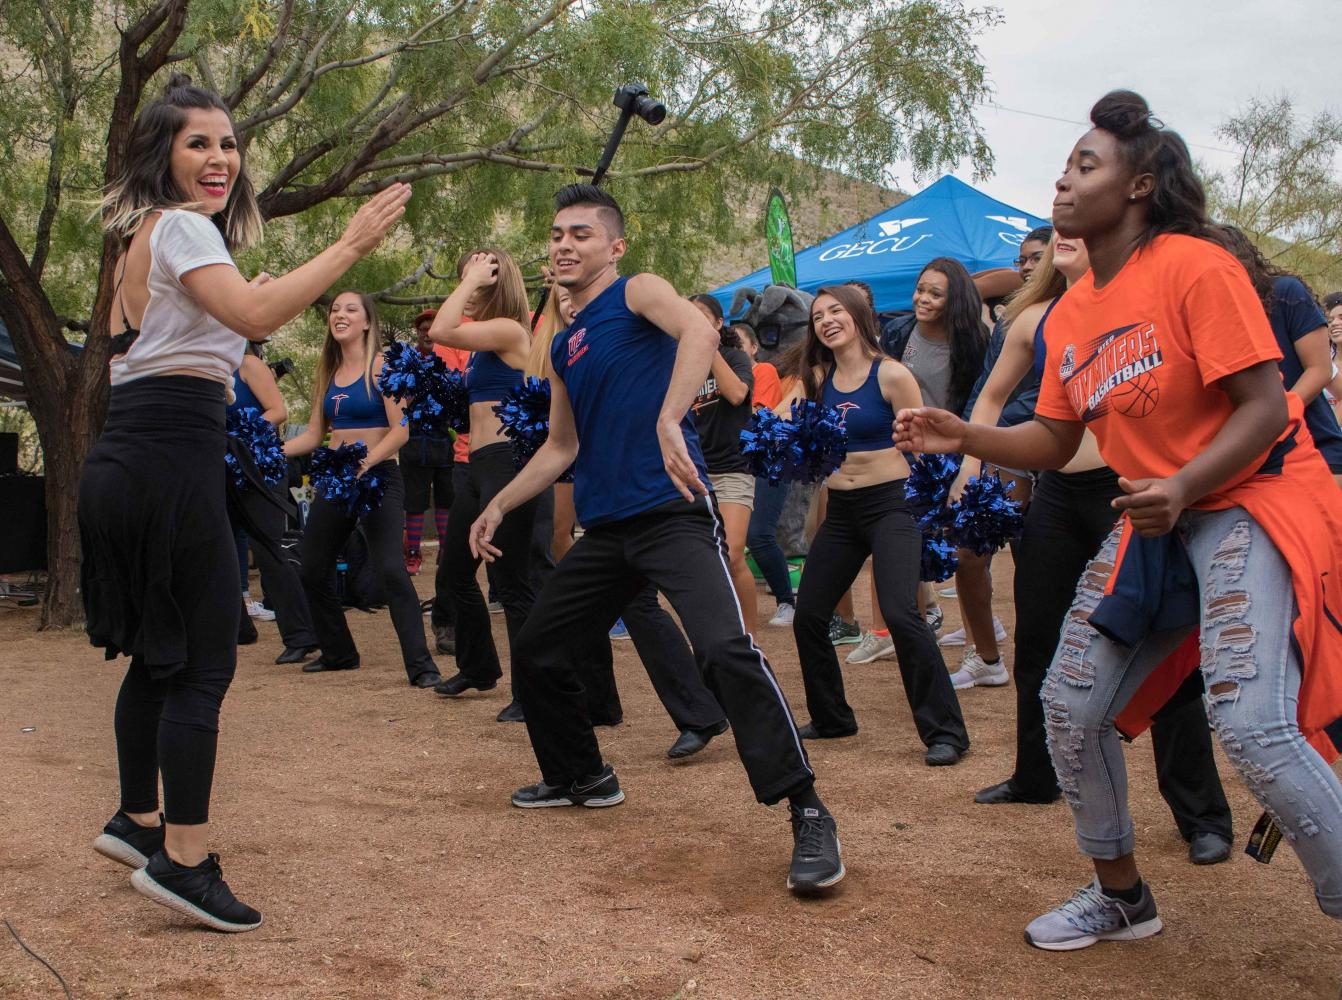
<point>59,978</point>
<point>1071,121</point>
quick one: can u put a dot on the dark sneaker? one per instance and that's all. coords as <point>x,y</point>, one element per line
<point>1091,916</point>
<point>199,892</point>
<point>842,633</point>
<point>935,618</point>
<point>127,841</point>
<point>595,792</point>
<point>816,862</point>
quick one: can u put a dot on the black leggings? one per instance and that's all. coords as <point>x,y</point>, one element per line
<point>872,521</point>
<point>489,471</point>
<point>1069,517</point>
<point>328,529</point>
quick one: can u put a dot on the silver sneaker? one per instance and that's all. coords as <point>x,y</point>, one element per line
<point>1091,916</point>
<point>974,672</point>
<point>783,616</point>
<point>872,647</point>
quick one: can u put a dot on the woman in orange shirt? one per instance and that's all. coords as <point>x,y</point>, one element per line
<point>1165,354</point>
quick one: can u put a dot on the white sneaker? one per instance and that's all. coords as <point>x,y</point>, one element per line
<point>949,593</point>
<point>872,647</point>
<point>957,638</point>
<point>784,615</point>
<point>257,610</point>
<point>974,672</point>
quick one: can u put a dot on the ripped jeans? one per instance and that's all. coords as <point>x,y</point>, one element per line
<point>1252,673</point>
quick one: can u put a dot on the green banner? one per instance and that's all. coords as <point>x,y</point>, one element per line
<point>778,235</point>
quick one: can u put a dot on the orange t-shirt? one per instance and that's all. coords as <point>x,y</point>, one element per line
<point>1138,360</point>
<point>768,391</point>
<point>456,358</point>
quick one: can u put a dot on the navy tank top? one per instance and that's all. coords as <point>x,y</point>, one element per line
<point>616,367</point>
<point>489,378</point>
<point>866,414</point>
<point>1040,348</point>
<point>243,396</point>
<point>353,406</point>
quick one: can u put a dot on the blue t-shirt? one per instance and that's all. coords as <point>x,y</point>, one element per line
<point>1294,314</point>
<point>616,367</point>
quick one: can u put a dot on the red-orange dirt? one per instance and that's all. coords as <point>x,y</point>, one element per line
<point>370,823</point>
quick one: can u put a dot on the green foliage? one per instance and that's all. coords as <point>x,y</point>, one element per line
<point>488,107</point>
<point>1285,191</point>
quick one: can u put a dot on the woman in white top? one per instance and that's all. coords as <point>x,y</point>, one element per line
<point>159,571</point>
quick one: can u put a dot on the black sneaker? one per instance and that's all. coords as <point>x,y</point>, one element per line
<point>816,862</point>
<point>596,792</point>
<point>842,633</point>
<point>935,618</point>
<point>127,841</point>
<point>199,892</point>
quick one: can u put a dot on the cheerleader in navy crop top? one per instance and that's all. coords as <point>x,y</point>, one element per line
<point>487,314</point>
<point>347,404</point>
<point>867,516</point>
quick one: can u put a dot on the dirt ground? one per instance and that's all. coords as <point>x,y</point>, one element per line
<point>370,823</point>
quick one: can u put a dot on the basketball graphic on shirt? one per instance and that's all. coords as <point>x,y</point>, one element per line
<point>1136,397</point>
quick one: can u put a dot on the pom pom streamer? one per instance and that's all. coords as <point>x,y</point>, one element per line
<point>985,517</point>
<point>335,477</point>
<point>434,395</point>
<point>258,438</point>
<point>939,561</point>
<point>806,448</point>
<point>525,416</point>
<point>767,442</point>
<point>928,489</point>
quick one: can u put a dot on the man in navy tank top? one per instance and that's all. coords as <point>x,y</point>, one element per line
<point>623,378</point>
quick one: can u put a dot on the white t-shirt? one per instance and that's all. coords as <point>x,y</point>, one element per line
<point>176,333</point>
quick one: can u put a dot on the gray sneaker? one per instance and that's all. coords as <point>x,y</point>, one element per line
<point>1091,916</point>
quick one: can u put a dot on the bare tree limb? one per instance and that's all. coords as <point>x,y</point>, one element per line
<point>254,75</point>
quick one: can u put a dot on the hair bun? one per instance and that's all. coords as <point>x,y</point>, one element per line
<point>176,82</point>
<point>1123,113</point>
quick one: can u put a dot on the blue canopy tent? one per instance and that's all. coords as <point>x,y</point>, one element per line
<point>946,219</point>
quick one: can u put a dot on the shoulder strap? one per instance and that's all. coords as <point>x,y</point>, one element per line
<point>116,292</point>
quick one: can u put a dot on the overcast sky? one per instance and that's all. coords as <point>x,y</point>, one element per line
<point>1195,61</point>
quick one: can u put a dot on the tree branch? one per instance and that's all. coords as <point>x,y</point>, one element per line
<point>254,76</point>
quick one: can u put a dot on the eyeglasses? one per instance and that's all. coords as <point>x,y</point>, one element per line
<point>1034,258</point>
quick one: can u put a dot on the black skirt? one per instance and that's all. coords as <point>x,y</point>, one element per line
<point>159,571</point>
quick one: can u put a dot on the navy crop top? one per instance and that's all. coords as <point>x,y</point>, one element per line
<point>353,406</point>
<point>866,415</point>
<point>243,396</point>
<point>489,378</point>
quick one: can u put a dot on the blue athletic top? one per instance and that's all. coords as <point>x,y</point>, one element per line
<point>489,378</point>
<point>353,406</point>
<point>616,367</point>
<point>243,396</point>
<point>1040,350</point>
<point>866,414</point>
<point>1295,313</point>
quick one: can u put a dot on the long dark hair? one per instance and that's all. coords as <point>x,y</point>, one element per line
<point>1262,272</point>
<point>147,185</point>
<point>816,358</point>
<point>1178,203</point>
<point>965,332</point>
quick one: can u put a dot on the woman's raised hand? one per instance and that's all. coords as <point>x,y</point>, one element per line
<point>927,429</point>
<point>482,270</point>
<point>375,218</point>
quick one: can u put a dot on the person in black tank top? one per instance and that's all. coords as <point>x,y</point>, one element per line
<point>844,368</point>
<point>623,378</point>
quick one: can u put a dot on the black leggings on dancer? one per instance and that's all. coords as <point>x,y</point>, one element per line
<point>489,471</point>
<point>160,584</point>
<point>872,521</point>
<point>328,529</point>
<point>1068,520</point>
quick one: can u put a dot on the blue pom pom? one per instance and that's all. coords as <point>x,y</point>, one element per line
<point>928,489</point>
<point>820,438</point>
<point>985,518</point>
<point>335,477</point>
<point>259,437</point>
<point>768,442</point>
<point>435,398</point>
<point>939,561</point>
<point>525,416</point>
